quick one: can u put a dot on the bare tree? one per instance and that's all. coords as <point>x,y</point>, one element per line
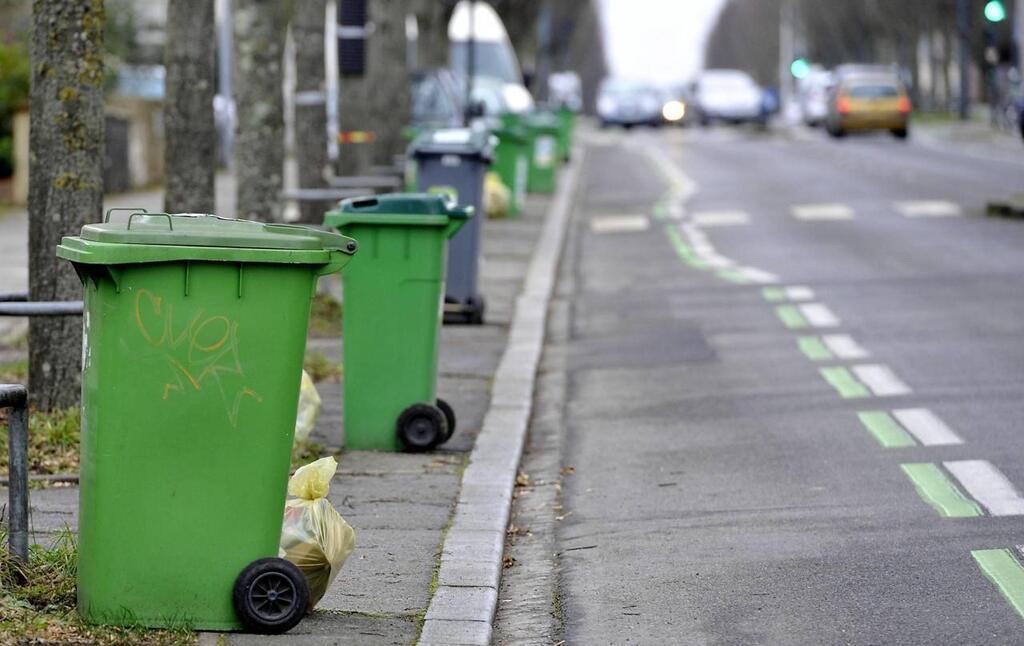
<point>65,180</point>
<point>378,101</point>
<point>259,30</point>
<point>310,101</point>
<point>432,18</point>
<point>190,152</point>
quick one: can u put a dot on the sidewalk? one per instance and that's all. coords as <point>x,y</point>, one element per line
<point>400,505</point>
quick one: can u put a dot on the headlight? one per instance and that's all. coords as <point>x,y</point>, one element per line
<point>517,98</point>
<point>673,110</point>
<point>606,105</point>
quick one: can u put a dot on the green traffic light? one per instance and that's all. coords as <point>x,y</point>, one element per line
<point>995,11</point>
<point>800,68</point>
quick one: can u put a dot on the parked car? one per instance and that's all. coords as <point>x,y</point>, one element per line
<point>497,79</point>
<point>861,102</point>
<point>437,98</point>
<point>729,96</point>
<point>628,103</point>
<point>676,108</point>
<point>813,96</point>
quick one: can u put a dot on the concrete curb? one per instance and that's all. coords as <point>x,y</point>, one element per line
<point>462,609</point>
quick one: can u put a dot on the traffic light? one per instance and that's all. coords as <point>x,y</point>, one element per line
<point>800,68</point>
<point>995,11</point>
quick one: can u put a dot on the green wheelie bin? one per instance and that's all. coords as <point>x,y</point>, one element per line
<point>543,131</point>
<point>194,331</point>
<point>511,161</point>
<point>394,297</point>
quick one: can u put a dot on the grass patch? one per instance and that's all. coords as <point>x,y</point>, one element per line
<point>14,372</point>
<point>37,602</point>
<point>320,368</point>
<point>53,442</point>
<point>325,317</point>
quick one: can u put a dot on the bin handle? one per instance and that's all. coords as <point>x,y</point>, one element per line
<point>170,222</point>
<point>137,209</point>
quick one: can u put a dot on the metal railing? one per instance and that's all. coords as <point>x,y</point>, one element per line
<point>17,304</point>
<point>15,397</point>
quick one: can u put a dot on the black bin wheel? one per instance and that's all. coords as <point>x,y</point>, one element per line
<point>271,596</point>
<point>421,427</point>
<point>475,308</point>
<point>449,417</point>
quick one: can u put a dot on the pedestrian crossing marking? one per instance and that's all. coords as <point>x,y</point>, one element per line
<point>881,380</point>
<point>926,427</point>
<point>936,489</point>
<point>929,209</point>
<point>720,218</point>
<point>619,223</point>
<point>819,315</point>
<point>987,484</point>
<point>908,427</point>
<point>826,212</point>
<point>844,347</point>
<point>794,293</point>
<point>814,349</point>
<point>845,383</point>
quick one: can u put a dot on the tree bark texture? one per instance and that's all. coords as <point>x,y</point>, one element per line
<point>190,153</point>
<point>379,101</point>
<point>432,18</point>
<point>310,102</point>
<point>65,181</point>
<point>259,30</point>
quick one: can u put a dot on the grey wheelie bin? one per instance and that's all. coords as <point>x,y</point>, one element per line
<point>455,161</point>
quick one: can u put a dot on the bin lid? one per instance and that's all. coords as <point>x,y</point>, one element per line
<point>424,209</point>
<point>468,142</point>
<point>543,121</point>
<point>123,240</point>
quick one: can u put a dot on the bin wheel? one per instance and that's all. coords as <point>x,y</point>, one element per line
<point>449,417</point>
<point>421,427</point>
<point>271,596</point>
<point>475,308</point>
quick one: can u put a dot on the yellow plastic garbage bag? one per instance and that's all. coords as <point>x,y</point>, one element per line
<point>496,196</point>
<point>309,409</point>
<point>314,536</point>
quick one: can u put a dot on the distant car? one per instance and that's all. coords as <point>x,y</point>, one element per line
<point>812,95</point>
<point>730,96</point>
<point>629,103</point>
<point>861,102</point>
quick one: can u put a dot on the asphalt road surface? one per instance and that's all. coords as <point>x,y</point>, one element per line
<point>796,393</point>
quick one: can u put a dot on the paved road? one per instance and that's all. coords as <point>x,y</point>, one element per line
<point>794,406</point>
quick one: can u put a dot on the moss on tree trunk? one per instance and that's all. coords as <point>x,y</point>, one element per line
<point>65,180</point>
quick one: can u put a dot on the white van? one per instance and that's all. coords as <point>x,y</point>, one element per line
<point>497,79</point>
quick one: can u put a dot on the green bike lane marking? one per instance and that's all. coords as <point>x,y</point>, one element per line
<point>683,250</point>
<point>885,429</point>
<point>773,294</point>
<point>733,276</point>
<point>1005,571</point>
<point>791,316</point>
<point>936,489</point>
<point>844,382</point>
<point>814,349</point>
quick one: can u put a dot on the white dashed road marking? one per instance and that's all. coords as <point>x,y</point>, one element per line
<point>926,427</point>
<point>819,315</point>
<point>881,380</point>
<point>799,293</point>
<point>619,224</point>
<point>929,209</point>
<point>987,484</point>
<point>759,276</point>
<point>823,212</point>
<point>720,218</point>
<point>844,347</point>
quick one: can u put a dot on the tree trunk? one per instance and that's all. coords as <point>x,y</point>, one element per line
<point>65,181</point>
<point>377,102</point>
<point>190,152</point>
<point>310,102</point>
<point>259,30</point>
<point>432,19</point>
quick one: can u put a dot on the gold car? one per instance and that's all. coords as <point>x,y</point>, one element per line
<point>868,103</point>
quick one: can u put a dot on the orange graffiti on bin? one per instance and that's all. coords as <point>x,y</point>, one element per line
<point>203,350</point>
